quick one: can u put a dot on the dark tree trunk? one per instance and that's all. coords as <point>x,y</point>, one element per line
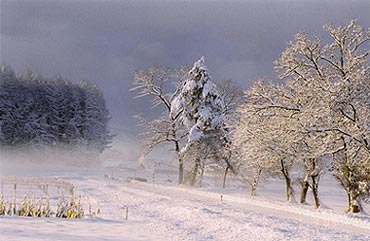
<point>304,189</point>
<point>315,191</point>
<point>348,183</point>
<point>353,204</point>
<point>180,179</point>
<point>194,172</point>
<point>225,175</point>
<point>289,190</point>
<point>229,167</point>
<point>181,172</point>
<point>288,181</point>
<point>202,168</point>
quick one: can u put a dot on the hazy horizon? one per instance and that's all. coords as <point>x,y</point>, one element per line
<point>105,41</point>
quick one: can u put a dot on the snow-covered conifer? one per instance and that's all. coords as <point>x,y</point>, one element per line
<point>201,109</point>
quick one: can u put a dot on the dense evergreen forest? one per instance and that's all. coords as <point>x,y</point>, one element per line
<point>44,112</point>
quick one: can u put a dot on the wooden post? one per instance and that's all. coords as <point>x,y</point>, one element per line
<point>15,199</point>
<point>126,213</point>
<point>221,199</point>
<point>153,177</point>
<point>71,190</point>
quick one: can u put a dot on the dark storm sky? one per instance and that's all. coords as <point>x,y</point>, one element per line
<point>105,41</point>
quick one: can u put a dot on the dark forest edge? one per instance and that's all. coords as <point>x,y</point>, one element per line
<point>39,113</point>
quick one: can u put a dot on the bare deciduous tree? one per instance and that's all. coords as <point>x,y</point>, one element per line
<point>332,84</point>
<point>165,128</point>
<point>321,111</point>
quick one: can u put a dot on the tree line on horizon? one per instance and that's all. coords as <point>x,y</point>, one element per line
<point>39,112</point>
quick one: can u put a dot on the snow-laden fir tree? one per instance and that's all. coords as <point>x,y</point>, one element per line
<point>201,109</point>
<point>154,82</point>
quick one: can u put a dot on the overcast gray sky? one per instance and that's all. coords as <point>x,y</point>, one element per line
<point>105,41</point>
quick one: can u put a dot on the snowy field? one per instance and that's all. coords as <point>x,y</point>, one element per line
<point>162,211</point>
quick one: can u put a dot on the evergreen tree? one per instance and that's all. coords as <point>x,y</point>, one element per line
<point>201,108</point>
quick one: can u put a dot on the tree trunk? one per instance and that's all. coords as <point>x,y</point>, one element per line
<point>180,180</point>
<point>194,171</point>
<point>225,175</point>
<point>201,176</point>
<point>304,189</point>
<point>315,191</point>
<point>289,190</point>
<point>255,183</point>
<point>229,167</point>
<point>344,176</point>
<point>353,205</point>
<point>288,182</point>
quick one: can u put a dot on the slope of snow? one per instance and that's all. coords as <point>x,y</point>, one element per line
<point>43,229</point>
<point>162,211</point>
<point>188,214</point>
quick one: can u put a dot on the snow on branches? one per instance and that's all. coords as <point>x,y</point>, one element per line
<point>200,107</point>
<point>198,103</point>
<point>321,112</point>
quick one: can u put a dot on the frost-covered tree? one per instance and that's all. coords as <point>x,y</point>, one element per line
<point>201,109</point>
<point>233,96</point>
<point>332,84</point>
<point>165,128</point>
<point>262,139</point>
<point>321,110</point>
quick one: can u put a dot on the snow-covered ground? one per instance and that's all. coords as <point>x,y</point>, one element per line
<point>162,211</point>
